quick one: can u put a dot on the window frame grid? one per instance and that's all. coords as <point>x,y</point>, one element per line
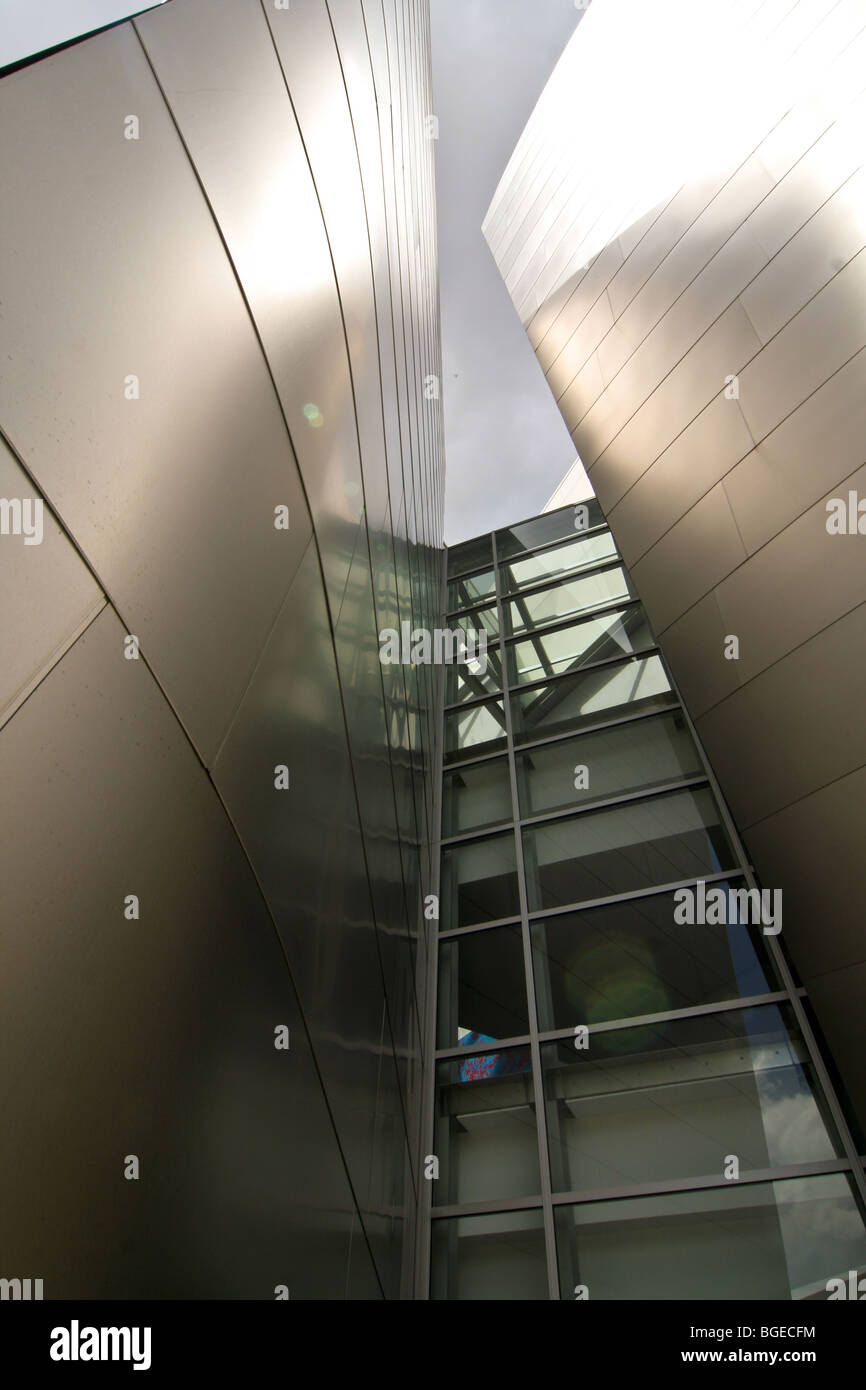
<point>790,994</point>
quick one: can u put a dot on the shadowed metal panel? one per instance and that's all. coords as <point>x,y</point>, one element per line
<point>248,292</point>
<point>49,596</point>
<point>697,459</point>
<point>305,843</point>
<point>817,734</point>
<point>318,334</point>
<point>152,1037</point>
<point>819,829</point>
<point>708,357</point>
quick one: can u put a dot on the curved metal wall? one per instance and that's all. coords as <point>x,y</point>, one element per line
<point>709,359</point>
<point>230,312</point>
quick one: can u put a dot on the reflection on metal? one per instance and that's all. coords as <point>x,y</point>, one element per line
<point>686,246</point>
<point>265,501</point>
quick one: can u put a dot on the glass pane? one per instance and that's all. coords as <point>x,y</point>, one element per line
<point>561,559</point>
<point>591,697</point>
<point>477,621</point>
<point>552,653</point>
<point>566,600</point>
<point>664,839</point>
<point>479,882</point>
<point>463,593</point>
<point>762,1241</point>
<point>625,758</point>
<point>489,1257</point>
<point>466,681</point>
<point>560,525</point>
<point>634,958</point>
<point>482,987</point>
<point>477,669</point>
<point>563,649</point>
<point>476,729</point>
<point>471,555</point>
<point>485,1137</point>
<point>476,796</point>
<point>675,1100</point>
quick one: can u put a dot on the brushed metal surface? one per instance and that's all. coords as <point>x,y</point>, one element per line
<point>719,411</point>
<point>805,708</point>
<point>818,827</point>
<point>49,595</point>
<point>262,258</point>
<point>704,453</point>
<point>155,1036</point>
<point>691,558</point>
<point>171,495</point>
<point>797,451</point>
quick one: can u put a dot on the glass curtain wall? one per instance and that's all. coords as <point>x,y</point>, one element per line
<point>627,1105</point>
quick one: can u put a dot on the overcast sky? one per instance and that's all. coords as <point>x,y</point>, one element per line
<point>505,443</point>
<point>29,26</point>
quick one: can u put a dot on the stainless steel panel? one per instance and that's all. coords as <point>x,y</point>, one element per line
<point>391,1207</point>
<point>784,146</point>
<point>155,1036</point>
<point>588,386</point>
<point>755,271</point>
<point>815,834</point>
<point>220,74</point>
<point>655,364</point>
<point>673,221</point>
<point>698,551</point>
<point>805,184</point>
<point>351,37</point>
<point>816,447</point>
<point>362,1281</point>
<point>613,352</point>
<point>49,596</point>
<point>556,261</point>
<point>696,460</point>
<point>816,343</point>
<point>680,398</point>
<point>171,496</point>
<point>707,237</point>
<point>306,847</point>
<point>695,649</point>
<point>305,43</point>
<point>357,650</point>
<point>303,330</point>
<point>809,260</point>
<point>630,239</point>
<point>572,303</point>
<point>579,347</point>
<point>838,1002</point>
<point>773,601</point>
<point>670,336</point>
<point>811,704</point>
<point>228,261</point>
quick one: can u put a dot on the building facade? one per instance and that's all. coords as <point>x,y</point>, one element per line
<point>686,248</point>
<point>630,1101</point>
<point>328,973</point>
<point>219,350</point>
